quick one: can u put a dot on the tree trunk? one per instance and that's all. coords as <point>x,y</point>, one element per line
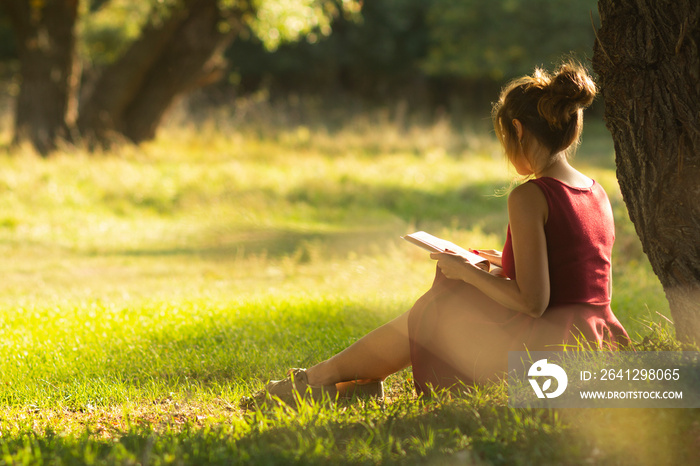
<point>179,53</point>
<point>646,56</point>
<point>46,104</point>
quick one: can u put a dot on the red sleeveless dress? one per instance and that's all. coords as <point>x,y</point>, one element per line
<point>458,334</point>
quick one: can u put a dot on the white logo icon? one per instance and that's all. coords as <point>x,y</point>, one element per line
<point>544,369</point>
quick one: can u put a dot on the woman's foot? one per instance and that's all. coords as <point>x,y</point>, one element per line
<point>295,387</point>
<point>290,390</point>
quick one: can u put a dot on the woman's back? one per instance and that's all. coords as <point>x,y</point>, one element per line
<point>580,232</point>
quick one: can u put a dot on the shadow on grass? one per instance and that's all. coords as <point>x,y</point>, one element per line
<point>414,432</point>
<point>473,204</point>
<point>407,432</point>
<point>344,216</point>
<point>271,243</point>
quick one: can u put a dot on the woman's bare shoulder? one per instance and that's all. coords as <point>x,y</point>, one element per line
<point>528,198</point>
<point>526,192</point>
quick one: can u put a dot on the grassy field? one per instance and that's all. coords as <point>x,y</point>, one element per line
<point>145,290</point>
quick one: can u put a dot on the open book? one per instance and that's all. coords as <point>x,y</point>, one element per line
<point>434,244</point>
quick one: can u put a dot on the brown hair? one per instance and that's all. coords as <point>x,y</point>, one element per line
<point>549,107</point>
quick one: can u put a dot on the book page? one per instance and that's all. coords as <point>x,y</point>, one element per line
<point>434,244</point>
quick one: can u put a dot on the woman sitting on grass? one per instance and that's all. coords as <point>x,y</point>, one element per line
<point>550,287</point>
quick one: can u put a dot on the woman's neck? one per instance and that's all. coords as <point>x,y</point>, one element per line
<point>561,170</point>
<point>552,166</point>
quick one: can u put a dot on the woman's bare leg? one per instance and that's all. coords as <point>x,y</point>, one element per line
<point>378,354</point>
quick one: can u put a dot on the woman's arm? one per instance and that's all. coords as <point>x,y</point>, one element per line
<point>529,293</point>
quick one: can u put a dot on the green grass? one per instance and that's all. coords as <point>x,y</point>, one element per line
<point>145,290</point>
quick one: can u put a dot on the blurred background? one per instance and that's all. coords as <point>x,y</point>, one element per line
<point>320,60</point>
<point>246,144</point>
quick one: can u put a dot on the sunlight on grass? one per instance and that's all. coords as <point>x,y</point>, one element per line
<point>147,289</point>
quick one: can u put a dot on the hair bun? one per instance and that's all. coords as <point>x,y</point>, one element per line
<point>569,91</point>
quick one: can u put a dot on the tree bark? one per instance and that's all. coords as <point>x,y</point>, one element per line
<point>179,53</point>
<point>46,105</point>
<point>172,56</point>
<point>646,57</point>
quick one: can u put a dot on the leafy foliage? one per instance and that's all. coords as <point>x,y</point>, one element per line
<point>380,49</point>
<point>109,26</point>
<point>504,38</point>
<point>277,21</point>
<point>375,55</point>
<point>399,47</point>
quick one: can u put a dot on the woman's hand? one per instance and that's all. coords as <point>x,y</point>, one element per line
<point>491,255</point>
<point>453,266</point>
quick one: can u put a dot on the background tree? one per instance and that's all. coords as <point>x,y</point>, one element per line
<point>178,47</point>
<point>647,60</point>
<point>45,40</point>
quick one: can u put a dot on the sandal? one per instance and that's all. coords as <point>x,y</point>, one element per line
<point>290,390</point>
